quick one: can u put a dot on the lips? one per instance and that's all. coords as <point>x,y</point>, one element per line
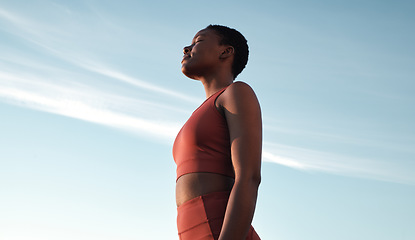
<point>185,57</point>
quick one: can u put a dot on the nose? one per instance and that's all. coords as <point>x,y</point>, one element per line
<point>187,49</point>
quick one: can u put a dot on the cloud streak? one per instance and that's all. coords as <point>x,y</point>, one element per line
<point>130,80</point>
<point>31,31</point>
<point>319,161</point>
<point>77,98</point>
<point>64,101</point>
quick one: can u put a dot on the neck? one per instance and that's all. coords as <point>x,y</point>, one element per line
<point>214,84</point>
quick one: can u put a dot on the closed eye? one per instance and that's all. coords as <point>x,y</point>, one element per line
<point>198,40</point>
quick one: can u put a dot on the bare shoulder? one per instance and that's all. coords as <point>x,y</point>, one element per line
<point>240,96</point>
<point>239,88</point>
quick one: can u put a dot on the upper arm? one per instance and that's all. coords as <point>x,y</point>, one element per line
<point>243,115</point>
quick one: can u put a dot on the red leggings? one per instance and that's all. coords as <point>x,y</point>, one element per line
<point>201,218</point>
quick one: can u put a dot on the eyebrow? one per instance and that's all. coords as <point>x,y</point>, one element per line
<point>199,35</point>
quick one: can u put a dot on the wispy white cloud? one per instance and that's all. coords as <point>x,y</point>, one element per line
<point>331,135</point>
<point>62,48</point>
<point>130,80</point>
<point>289,162</point>
<point>312,160</point>
<point>75,103</point>
<point>8,16</point>
<point>46,86</point>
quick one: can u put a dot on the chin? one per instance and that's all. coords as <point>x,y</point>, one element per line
<point>188,73</point>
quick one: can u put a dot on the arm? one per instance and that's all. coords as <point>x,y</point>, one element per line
<point>243,114</point>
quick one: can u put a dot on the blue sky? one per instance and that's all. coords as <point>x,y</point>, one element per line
<point>91,98</point>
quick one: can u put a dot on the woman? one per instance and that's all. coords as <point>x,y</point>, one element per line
<point>218,150</point>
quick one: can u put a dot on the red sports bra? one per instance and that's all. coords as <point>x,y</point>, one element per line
<point>203,144</point>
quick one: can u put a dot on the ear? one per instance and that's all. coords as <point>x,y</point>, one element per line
<point>227,52</point>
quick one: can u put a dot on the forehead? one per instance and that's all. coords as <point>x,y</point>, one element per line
<point>206,33</point>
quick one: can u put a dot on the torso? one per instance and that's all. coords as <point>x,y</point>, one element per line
<point>192,185</point>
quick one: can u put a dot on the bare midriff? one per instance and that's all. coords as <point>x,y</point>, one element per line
<point>192,185</point>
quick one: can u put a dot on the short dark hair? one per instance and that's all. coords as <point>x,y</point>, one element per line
<point>235,39</point>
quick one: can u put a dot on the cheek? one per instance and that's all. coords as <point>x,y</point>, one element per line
<point>204,55</point>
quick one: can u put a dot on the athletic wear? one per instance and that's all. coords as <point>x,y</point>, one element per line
<point>203,145</point>
<point>201,218</point>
